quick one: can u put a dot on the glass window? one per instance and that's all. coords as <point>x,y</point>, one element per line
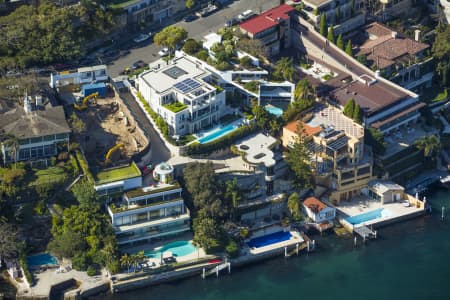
<point>24,141</point>
<point>49,137</point>
<point>154,214</point>
<point>61,136</point>
<point>142,217</point>
<point>36,140</point>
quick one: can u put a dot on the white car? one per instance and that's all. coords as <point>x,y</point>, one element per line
<point>140,38</point>
<point>164,52</point>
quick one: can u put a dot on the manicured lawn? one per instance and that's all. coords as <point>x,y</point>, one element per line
<point>115,174</point>
<point>50,174</point>
<point>175,106</point>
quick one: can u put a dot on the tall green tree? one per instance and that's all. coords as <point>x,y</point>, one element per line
<point>294,206</point>
<point>348,48</point>
<point>12,145</point>
<point>441,53</point>
<point>429,144</point>
<point>330,35</point>
<point>299,161</point>
<point>349,108</point>
<point>340,42</point>
<point>323,27</point>
<point>357,114</point>
<point>85,193</point>
<point>207,233</point>
<point>170,37</point>
<point>125,262</point>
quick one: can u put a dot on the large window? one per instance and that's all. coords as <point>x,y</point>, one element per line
<point>174,210</point>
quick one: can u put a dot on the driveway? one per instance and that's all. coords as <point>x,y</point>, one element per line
<point>148,52</point>
<point>160,152</point>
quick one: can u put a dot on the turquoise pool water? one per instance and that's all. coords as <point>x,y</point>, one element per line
<point>274,110</point>
<point>179,248</point>
<point>269,239</point>
<point>41,260</point>
<point>221,132</point>
<point>373,214</point>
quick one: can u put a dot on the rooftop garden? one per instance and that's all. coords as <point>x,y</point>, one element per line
<point>118,209</point>
<point>120,173</point>
<point>141,192</point>
<point>119,4</point>
<point>175,106</point>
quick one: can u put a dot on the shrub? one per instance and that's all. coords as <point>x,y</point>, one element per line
<point>191,46</point>
<point>24,266</point>
<point>91,271</point>
<point>79,262</point>
<point>232,248</point>
<point>84,166</point>
<point>202,54</point>
<point>252,86</point>
<point>113,267</point>
<point>246,61</point>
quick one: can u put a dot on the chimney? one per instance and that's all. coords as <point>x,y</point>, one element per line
<point>394,34</point>
<point>27,104</point>
<point>39,101</point>
<point>417,35</point>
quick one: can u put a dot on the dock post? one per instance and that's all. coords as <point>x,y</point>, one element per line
<point>204,273</point>
<point>285,251</point>
<point>375,232</point>
<point>217,271</point>
<point>307,245</point>
<point>229,268</point>
<point>354,241</point>
<point>364,238</point>
<point>443,213</point>
<point>314,245</point>
<point>296,247</point>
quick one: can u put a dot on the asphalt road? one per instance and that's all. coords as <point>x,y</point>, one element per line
<point>148,52</point>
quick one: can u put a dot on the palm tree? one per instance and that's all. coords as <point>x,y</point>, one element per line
<point>140,256</point>
<point>429,144</point>
<point>233,194</point>
<point>125,261</point>
<point>303,90</point>
<point>134,261</point>
<point>285,69</point>
<point>12,146</point>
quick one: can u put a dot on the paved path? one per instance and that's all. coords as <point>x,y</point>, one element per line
<point>196,29</point>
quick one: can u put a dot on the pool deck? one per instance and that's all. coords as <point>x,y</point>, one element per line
<point>360,205</point>
<point>296,238</point>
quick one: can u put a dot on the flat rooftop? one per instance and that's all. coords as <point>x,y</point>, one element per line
<point>116,174</point>
<point>153,189</point>
<point>325,116</point>
<point>370,94</point>
<point>316,3</point>
<point>258,149</point>
<point>179,72</point>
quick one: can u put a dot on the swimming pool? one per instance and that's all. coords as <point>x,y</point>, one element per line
<point>368,216</point>
<point>41,260</point>
<point>269,239</point>
<point>179,248</point>
<point>274,110</point>
<point>216,134</point>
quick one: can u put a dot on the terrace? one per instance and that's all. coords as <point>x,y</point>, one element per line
<point>175,106</point>
<point>405,137</point>
<point>116,174</point>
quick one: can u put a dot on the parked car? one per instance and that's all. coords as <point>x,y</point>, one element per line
<point>164,52</point>
<point>141,37</point>
<point>190,18</point>
<point>246,15</point>
<point>138,64</point>
<point>231,22</point>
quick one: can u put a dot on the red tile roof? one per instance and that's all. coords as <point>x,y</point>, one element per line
<point>314,204</point>
<point>267,19</point>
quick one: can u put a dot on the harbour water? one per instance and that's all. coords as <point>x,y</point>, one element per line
<point>409,260</point>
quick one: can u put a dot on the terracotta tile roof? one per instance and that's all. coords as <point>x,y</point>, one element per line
<point>314,204</point>
<point>385,49</point>
<point>308,130</point>
<point>267,19</point>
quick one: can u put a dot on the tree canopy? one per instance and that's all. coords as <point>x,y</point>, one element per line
<point>330,35</point>
<point>323,27</point>
<point>299,161</point>
<point>441,52</point>
<point>284,69</point>
<point>170,36</point>
<point>348,48</point>
<point>340,42</point>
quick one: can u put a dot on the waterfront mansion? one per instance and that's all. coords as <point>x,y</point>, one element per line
<point>150,213</point>
<point>182,93</point>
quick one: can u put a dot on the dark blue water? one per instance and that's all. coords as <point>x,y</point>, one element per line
<point>409,260</point>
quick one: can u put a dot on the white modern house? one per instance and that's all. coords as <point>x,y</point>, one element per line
<point>318,211</point>
<point>37,128</point>
<point>80,76</point>
<point>181,91</point>
<point>150,213</point>
<point>115,180</point>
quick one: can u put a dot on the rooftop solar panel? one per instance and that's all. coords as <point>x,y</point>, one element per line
<point>187,85</point>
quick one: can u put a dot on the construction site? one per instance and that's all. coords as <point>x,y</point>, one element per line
<point>110,135</point>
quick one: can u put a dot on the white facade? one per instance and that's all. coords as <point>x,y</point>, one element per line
<point>149,213</point>
<point>81,76</point>
<point>185,81</point>
<point>117,186</point>
<point>318,211</point>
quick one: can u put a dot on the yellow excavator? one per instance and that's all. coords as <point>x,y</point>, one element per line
<point>85,101</point>
<point>111,151</point>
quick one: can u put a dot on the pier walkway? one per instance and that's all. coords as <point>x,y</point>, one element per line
<point>365,232</point>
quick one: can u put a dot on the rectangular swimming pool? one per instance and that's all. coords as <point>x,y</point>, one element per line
<point>368,216</point>
<point>216,134</point>
<point>269,239</point>
<point>41,260</point>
